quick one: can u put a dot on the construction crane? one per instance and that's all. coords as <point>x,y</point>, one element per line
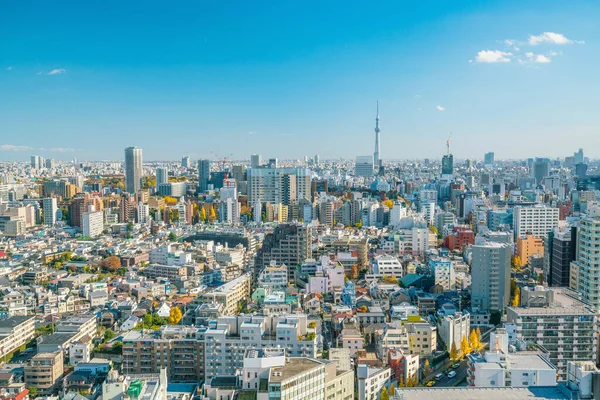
<point>448,144</point>
<point>222,160</point>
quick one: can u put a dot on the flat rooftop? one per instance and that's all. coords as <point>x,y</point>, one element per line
<point>466,393</point>
<point>293,367</point>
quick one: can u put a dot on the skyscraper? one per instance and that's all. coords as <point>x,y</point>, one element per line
<point>255,161</point>
<point>185,161</point>
<point>585,270</point>
<point>490,274</point>
<point>363,166</point>
<point>50,207</point>
<point>376,159</point>
<point>203,175</point>
<point>162,176</point>
<point>541,169</point>
<point>488,159</point>
<point>133,169</point>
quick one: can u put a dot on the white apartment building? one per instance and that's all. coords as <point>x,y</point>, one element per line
<point>558,320</point>
<point>499,368</point>
<point>227,340</point>
<point>387,265</point>
<point>371,381</point>
<point>231,294</point>
<point>453,328</point>
<point>274,278</point>
<point>93,223</point>
<point>164,256</point>
<point>15,332</point>
<point>278,185</point>
<point>537,220</point>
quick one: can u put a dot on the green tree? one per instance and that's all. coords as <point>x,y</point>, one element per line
<point>33,391</point>
<point>172,237</point>
<point>108,335</point>
<point>453,352</point>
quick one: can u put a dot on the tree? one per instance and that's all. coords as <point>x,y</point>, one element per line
<point>384,394</point>
<point>433,229</point>
<point>354,272</point>
<point>389,279</point>
<point>412,381</point>
<point>212,214</point>
<point>109,334</point>
<point>111,264</point>
<point>453,352</point>
<point>129,226</point>
<point>464,346</point>
<point>474,340</point>
<point>175,315</point>
<point>363,309</point>
<point>33,391</point>
<point>401,382</point>
<point>392,390</point>
<point>516,261</point>
<point>516,297</point>
<point>172,237</point>
<point>388,203</point>
<point>427,370</point>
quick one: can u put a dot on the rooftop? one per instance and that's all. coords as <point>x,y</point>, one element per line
<point>293,367</point>
<point>466,393</point>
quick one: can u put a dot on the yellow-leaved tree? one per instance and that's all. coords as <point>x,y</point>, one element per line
<point>175,315</point>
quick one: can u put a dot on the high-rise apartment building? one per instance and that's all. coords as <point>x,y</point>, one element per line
<point>278,185</point>
<point>49,207</point>
<point>537,220</point>
<point>560,247</point>
<point>185,162</point>
<point>490,275</point>
<point>585,271</point>
<point>488,159</point>
<point>557,320</point>
<point>162,176</point>
<point>364,166</point>
<point>540,170</point>
<point>255,160</point>
<point>179,349</point>
<point>227,341</point>
<point>289,244</point>
<point>203,175</point>
<point>93,222</point>
<point>133,169</point>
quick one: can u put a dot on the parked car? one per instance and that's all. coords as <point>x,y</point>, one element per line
<point>451,374</point>
<point>438,377</point>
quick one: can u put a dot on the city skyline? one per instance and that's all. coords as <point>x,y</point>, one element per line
<point>248,80</point>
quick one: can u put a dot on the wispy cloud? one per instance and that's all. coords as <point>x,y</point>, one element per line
<point>12,147</point>
<point>440,108</point>
<point>251,133</point>
<point>9,68</point>
<point>551,38</point>
<point>57,71</point>
<point>493,56</point>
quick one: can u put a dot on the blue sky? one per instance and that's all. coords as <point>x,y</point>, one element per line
<point>288,79</point>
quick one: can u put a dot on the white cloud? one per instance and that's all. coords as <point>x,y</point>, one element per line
<point>57,71</point>
<point>510,42</point>
<point>38,73</point>
<point>12,147</point>
<point>493,56</point>
<point>9,68</point>
<point>251,133</point>
<point>529,54</point>
<point>540,58</point>
<point>549,37</point>
<point>440,108</point>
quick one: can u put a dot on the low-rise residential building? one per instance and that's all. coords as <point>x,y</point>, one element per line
<point>44,371</point>
<point>371,381</point>
<point>231,294</point>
